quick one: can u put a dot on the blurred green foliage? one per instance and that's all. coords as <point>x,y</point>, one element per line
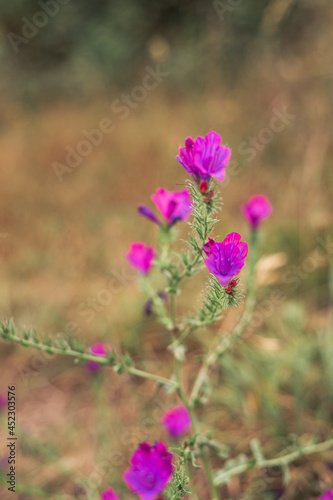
<point>85,45</point>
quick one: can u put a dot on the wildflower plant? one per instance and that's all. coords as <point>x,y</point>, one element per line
<point>158,470</point>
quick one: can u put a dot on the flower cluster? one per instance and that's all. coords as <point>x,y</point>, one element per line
<point>151,465</point>
<point>203,158</point>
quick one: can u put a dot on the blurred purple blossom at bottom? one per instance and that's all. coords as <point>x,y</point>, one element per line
<point>150,471</point>
<point>328,495</point>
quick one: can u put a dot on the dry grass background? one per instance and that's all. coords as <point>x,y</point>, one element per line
<point>63,241</point>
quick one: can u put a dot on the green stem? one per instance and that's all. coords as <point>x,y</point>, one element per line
<point>150,376</point>
<point>226,342</point>
<point>173,309</point>
<point>84,357</point>
<point>224,476</point>
<point>195,425</point>
<point>185,401</point>
<point>102,416</point>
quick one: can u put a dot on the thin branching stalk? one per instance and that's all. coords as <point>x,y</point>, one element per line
<point>224,476</point>
<point>78,355</point>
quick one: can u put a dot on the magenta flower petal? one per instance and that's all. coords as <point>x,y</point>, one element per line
<point>150,471</point>
<point>141,256</point>
<point>146,212</point>
<point>256,209</point>
<point>205,157</point>
<point>177,421</point>
<point>328,495</point>
<point>173,205</point>
<point>3,402</point>
<point>225,260</point>
<point>100,350</point>
<point>109,494</point>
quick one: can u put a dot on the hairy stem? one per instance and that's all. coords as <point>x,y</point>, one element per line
<point>226,343</point>
<point>195,425</point>
<point>84,357</point>
<point>224,476</point>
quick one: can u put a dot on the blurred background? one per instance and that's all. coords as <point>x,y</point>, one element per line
<point>94,98</point>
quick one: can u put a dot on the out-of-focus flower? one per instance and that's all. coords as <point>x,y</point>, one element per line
<point>148,305</point>
<point>100,350</point>
<point>162,295</point>
<point>225,259</point>
<point>109,494</point>
<point>150,471</point>
<point>205,157</point>
<point>177,421</point>
<point>328,495</point>
<point>3,402</point>
<point>173,205</point>
<point>141,256</point>
<point>256,209</point>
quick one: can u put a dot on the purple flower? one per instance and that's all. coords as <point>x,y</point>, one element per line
<point>109,494</point>
<point>225,259</point>
<point>205,157</point>
<point>328,495</point>
<point>177,421</point>
<point>3,402</point>
<point>141,256</point>
<point>146,212</point>
<point>151,470</point>
<point>100,350</point>
<point>173,205</point>
<point>256,209</point>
